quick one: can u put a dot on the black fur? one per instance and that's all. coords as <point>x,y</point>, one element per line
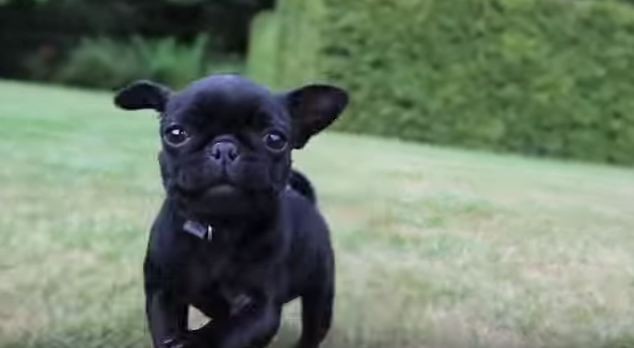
<point>226,166</point>
<point>301,184</point>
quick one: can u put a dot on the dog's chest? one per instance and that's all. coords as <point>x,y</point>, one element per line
<point>222,281</point>
<point>211,271</point>
<point>207,267</point>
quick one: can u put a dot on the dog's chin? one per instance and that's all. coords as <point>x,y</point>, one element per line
<point>222,201</point>
<point>221,191</point>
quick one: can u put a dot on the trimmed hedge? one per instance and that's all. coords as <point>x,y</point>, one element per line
<point>541,77</point>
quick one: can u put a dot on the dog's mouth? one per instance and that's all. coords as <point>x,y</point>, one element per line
<point>211,191</point>
<point>204,189</point>
<point>221,189</point>
<point>218,202</point>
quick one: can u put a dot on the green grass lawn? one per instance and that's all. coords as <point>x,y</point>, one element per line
<point>435,247</point>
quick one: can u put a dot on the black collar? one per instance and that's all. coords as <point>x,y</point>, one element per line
<point>205,231</point>
<point>199,230</point>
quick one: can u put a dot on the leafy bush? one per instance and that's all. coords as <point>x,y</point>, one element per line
<point>102,63</point>
<point>264,36</point>
<point>105,63</point>
<point>29,26</point>
<point>542,77</point>
<point>226,64</point>
<point>171,62</point>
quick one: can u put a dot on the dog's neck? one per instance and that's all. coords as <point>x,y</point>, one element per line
<point>232,229</point>
<point>224,231</point>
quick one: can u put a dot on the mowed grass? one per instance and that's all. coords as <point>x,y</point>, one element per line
<point>435,247</point>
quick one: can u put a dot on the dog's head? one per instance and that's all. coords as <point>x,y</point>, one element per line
<point>227,141</point>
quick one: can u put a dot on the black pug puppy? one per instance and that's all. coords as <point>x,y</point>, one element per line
<point>239,233</point>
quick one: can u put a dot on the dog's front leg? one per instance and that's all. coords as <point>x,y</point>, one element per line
<point>253,327</point>
<point>167,319</point>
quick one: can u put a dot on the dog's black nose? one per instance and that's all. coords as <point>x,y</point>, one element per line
<point>224,151</point>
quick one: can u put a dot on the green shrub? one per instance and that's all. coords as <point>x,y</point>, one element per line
<point>226,64</point>
<point>541,77</point>
<point>101,63</point>
<point>171,62</point>
<point>106,63</point>
<point>263,39</point>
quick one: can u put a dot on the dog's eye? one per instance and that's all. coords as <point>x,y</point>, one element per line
<point>175,135</point>
<point>275,140</point>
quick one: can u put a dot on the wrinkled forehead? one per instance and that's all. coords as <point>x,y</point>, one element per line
<point>227,106</point>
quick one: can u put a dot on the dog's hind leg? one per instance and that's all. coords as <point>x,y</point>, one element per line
<point>317,307</point>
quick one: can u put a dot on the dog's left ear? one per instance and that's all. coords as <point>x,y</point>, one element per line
<point>143,94</point>
<point>312,109</point>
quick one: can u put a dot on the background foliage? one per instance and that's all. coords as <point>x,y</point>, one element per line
<point>103,62</point>
<point>541,77</point>
<point>101,43</point>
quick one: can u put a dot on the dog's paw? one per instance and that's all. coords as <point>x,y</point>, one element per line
<point>174,342</point>
<point>239,302</point>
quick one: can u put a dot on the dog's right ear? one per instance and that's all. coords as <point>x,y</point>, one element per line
<point>143,95</point>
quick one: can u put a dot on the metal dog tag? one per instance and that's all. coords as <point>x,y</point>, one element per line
<point>210,233</point>
<point>199,230</point>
